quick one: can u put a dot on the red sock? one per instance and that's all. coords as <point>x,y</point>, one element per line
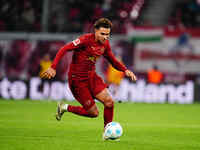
<point>108,115</point>
<point>77,110</point>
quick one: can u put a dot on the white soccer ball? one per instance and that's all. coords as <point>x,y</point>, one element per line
<point>113,130</point>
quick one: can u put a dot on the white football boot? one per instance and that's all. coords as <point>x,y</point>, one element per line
<point>61,108</point>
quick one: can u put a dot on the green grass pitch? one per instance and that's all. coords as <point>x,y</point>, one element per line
<point>31,125</point>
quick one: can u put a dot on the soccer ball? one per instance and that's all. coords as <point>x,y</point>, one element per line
<point>113,130</point>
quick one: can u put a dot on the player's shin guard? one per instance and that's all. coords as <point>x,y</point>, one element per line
<point>108,115</point>
<point>78,110</point>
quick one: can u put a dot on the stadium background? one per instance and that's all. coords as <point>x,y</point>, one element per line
<point>159,116</point>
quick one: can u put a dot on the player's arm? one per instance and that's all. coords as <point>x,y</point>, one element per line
<point>51,71</point>
<point>117,64</point>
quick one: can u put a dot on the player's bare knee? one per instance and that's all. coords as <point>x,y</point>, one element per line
<point>109,103</point>
<point>93,111</point>
<point>94,114</point>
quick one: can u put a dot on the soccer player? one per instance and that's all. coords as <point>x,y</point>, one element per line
<point>84,83</point>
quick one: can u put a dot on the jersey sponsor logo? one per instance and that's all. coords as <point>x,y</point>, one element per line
<point>92,58</point>
<point>76,42</point>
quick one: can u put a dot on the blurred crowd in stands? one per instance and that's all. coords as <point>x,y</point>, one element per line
<point>22,59</point>
<point>79,15</point>
<point>65,16</point>
<point>186,13</point>
<point>20,15</point>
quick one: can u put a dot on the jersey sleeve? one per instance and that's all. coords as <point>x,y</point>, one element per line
<point>112,59</point>
<point>73,45</point>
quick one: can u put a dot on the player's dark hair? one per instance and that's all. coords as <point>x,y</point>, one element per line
<point>103,22</point>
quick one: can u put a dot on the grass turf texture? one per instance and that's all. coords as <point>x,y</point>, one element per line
<point>31,125</point>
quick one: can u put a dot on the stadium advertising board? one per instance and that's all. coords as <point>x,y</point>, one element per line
<point>36,89</point>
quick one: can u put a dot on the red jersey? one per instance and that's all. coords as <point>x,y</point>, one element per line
<point>86,53</point>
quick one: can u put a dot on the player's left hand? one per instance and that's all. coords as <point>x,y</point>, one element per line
<point>131,75</point>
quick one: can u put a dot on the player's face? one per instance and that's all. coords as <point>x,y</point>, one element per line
<point>102,34</point>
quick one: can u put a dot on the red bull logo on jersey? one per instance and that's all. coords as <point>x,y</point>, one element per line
<point>92,58</point>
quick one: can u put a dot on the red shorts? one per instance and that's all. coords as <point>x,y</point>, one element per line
<point>85,90</point>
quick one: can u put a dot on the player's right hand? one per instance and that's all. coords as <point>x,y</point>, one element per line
<point>131,75</point>
<point>48,74</point>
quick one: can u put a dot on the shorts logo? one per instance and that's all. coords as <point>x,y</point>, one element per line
<point>102,49</point>
<point>76,42</point>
